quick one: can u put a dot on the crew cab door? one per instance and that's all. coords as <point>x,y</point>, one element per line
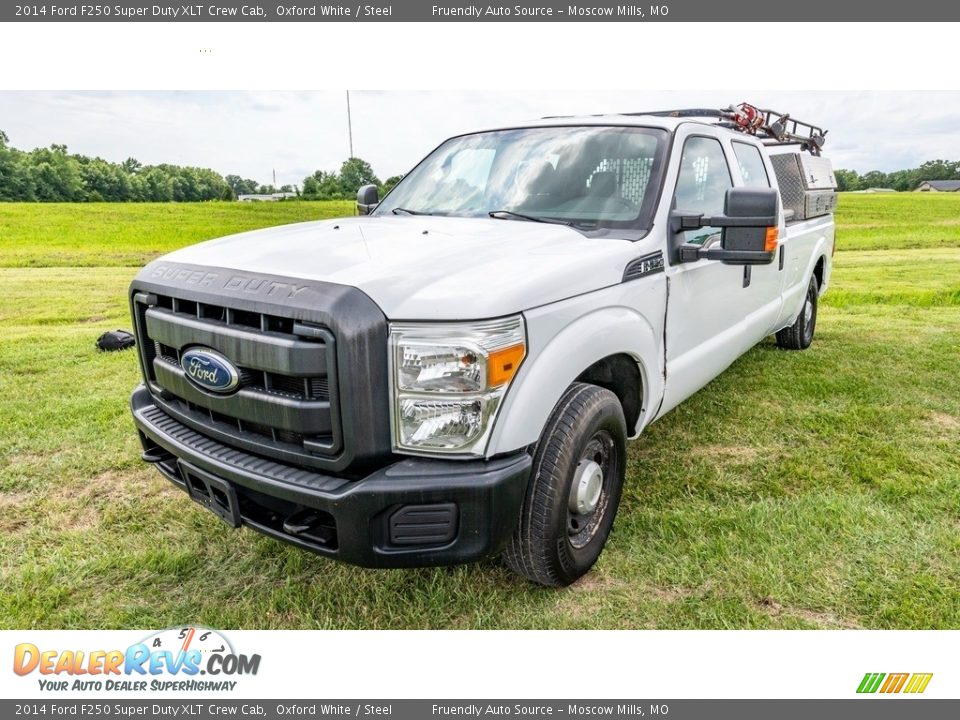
<point>715,312</point>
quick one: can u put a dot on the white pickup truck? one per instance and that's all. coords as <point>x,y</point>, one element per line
<point>455,372</point>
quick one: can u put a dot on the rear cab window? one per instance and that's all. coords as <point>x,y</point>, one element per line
<point>752,169</point>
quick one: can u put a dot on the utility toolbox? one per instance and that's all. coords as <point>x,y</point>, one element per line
<point>807,184</point>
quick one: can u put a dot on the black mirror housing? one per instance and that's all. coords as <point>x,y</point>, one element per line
<point>368,197</point>
<point>757,206</point>
<point>748,228</point>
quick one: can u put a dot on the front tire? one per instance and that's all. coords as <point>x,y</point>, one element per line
<point>574,489</point>
<point>799,335</point>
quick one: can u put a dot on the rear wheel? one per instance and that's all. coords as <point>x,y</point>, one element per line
<point>799,335</point>
<point>574,489</point>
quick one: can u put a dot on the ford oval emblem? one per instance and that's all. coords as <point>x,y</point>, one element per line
<point>209,370</point>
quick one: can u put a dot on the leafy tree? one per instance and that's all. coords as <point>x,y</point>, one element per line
<point>847,180</point>
<point>354,174</point>
<point>10,175</point>
<point>241,186</point>
<point>311,188</point>
<point>131,166</point>
<point>873,179</point>
<point>54,176</point>
<point>938,170</point>
<point>389,184</point>
<point>157,185</point>
<point>322,186</point>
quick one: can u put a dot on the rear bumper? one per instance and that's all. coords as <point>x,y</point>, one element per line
<point>414,512</point>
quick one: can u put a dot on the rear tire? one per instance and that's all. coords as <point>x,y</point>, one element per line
<point>799,335</point>
<point>574,488</point>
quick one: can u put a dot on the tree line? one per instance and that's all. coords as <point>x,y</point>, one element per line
<point>55,175</point>
<point>900,179</point>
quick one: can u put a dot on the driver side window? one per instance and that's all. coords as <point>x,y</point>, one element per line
<point>702,183</point>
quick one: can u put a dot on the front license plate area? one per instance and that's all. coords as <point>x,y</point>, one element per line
<point>211,492</point>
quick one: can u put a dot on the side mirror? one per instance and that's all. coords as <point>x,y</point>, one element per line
<point>368,197</point>
<point>748,228</point>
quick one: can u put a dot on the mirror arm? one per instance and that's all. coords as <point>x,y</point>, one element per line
<point>680,221</point>
<point>692,253</point>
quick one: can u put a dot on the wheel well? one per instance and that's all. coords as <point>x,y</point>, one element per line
<point>619,374</point>
<point>818,272</point>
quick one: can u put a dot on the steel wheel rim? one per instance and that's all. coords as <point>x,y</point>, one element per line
<point>809,317</point>
<point>596,466</point>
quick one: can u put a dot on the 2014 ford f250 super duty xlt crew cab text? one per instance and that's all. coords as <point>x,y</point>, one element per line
<point>456,371</point>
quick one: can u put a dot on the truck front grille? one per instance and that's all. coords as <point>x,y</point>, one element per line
<point>286,405</point>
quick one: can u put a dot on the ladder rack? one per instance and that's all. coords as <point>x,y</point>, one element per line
<point>771,126</point>
<point>774,127</point>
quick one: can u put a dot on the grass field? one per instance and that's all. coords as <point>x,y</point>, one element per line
<point>799,490</point>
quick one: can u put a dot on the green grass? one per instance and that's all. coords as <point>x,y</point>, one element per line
<point>108,234</point>
<point>888,221</point>
<point>817,489</point>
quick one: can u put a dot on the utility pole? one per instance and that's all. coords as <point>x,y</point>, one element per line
<point>349,123</point>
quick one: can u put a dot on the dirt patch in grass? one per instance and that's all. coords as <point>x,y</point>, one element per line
<point>596,582</point>
<point>29,458</point>
<point>729,453</point>
<point>674,594</point>
<point>79,506</point>
<point>943,421</point>
<point>822,620</point>
<point>12,506</point>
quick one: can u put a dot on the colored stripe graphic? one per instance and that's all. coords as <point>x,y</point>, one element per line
<point>870,682</point>
<point>918,682</point>
<point>894,683</point>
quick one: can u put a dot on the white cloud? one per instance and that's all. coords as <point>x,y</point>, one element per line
<point>295,133</point>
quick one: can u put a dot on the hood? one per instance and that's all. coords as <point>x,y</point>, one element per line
<point>429,268</point>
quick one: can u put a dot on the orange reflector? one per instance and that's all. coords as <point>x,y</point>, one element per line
<point>770,243</point>
<point>503,364</point>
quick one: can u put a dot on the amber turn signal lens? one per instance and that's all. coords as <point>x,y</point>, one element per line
<point>503,364</point>
<point>770,243</point>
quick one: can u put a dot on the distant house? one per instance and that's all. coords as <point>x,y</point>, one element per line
<point>939,186</point>
<point>875,190</point>
<point>272,197</point>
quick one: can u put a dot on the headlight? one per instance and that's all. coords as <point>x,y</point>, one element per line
<point>448,382</point>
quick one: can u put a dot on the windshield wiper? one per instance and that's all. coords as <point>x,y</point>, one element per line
<point>507,214</point>
<point>404,211</point>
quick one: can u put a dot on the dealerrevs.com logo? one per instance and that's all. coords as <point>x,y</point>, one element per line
<point>178,659</point>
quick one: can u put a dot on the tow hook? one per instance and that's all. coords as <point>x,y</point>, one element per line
<point>155,455</point>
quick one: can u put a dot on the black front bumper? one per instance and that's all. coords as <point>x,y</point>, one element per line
<point>413,512</point>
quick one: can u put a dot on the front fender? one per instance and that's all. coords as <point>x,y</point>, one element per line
<point>561,348</point>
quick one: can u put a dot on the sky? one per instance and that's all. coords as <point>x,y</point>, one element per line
<point>253,134</point>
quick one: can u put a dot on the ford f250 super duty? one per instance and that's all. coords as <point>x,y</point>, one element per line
<point>456,371</point>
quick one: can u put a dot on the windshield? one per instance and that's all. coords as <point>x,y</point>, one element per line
<point>590,177</point>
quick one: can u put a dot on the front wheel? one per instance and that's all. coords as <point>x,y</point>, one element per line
<point>799,335</point>
<point>574,489</point>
